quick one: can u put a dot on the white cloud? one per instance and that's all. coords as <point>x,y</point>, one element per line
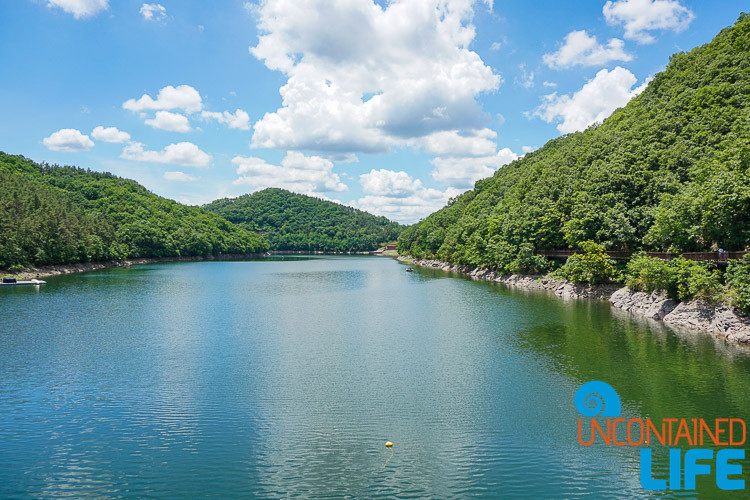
<point>384,76</point>
<point>110,134</point>
<point>389,183</point>
<point>579,48</point>
<point>594,102</point>
<point>549,84</point>
<point>68,139</point>
<point>180,177</point>
<point>299,173</point>
<point>640,16</point>
<point>526,79</point>
<point>165,120</point>
<point>183,153</point>
<point>496,46</point>
<point>527,149</point>
<point>80,8</point>
<point>153,12</point>
<point>456,143</point>
<point>182,97</point>
<point>240,119</point>
<point>398,196</point>
<point>463,172</point>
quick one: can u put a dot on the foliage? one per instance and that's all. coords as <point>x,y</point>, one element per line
<point>592,266</point>
<point>669,171</point>
<point>738,279</point>
<point>57,215</point>
<point>528,263</point>
<point>647,274</point>
<point>680,279</point>
<point>292,221</point>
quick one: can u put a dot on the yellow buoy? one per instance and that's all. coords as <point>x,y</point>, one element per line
<point>388,444</point>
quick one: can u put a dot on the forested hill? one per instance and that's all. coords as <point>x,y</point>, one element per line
<point>59,215</point>
<point>669,171</point>
<point>297,222</point>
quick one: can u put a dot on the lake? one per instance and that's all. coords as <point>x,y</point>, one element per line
<point>285,377</point>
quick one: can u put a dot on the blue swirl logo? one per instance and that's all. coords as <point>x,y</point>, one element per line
<point>597,398</point>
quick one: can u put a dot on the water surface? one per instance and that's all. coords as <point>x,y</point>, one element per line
<point>286,377</point>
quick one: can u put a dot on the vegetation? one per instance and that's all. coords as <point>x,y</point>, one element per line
<point>591,266</point>
<point>669,171</point>
<point>297,222</point>
<point>738,280</point>
<point>57,215</point>
<point>679,279</point>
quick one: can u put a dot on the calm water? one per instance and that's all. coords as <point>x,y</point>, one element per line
<point>286,378</point>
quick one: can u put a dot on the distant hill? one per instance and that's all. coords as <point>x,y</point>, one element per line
<point>669,171</point>
<point>58,215</point>
<point>292,221</point>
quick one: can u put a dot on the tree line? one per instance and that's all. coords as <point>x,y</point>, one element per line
<point>59,215</point>
<point>291,221</point>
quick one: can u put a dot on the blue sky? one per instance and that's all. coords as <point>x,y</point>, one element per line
<point>392,107</point>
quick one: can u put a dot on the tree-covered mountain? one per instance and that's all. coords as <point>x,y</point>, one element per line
<point>291,221</point>
<point>669,171</point>
<point>56,215</point>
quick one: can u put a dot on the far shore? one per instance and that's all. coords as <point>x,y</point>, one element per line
<point>80,267</point>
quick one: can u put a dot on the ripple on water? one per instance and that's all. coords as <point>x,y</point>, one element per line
<point>277,379</point>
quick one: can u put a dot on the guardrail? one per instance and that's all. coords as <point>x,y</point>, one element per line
<point>701,256</point>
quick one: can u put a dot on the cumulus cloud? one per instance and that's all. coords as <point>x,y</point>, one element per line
<point>580,48</point>
<point>80,8</point>
<point>68,139</point>
<point>153,12</point>
<point>110,134</point>
<point>182,97</point>
<point>310,175</point>
<point>463,172</point>
<point>183,153</point>
<point>399,196</point>
<point>389,183</point>
<point>638,17</point>
<point>594,102</point>
<point>180,177</point>
<point>386,75</point>
<point>165,120</point>
<point>459,143</point>
<point>240,119</point>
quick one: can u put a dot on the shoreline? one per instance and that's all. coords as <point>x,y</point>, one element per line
<point>82,267</point>
<point>719,320</point>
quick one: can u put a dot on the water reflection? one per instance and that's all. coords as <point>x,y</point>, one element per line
<point>285,377</point>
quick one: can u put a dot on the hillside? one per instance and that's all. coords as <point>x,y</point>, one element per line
<point>59,215</point>
<point>669,171</point>
<point>292,221</point>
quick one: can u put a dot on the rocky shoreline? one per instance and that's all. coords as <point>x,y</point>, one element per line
<point>720,319</point>
<point>56,270</point>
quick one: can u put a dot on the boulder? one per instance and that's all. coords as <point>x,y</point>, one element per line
<point>651,305</point>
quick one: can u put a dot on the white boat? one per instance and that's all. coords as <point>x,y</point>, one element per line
<point>7,282</point>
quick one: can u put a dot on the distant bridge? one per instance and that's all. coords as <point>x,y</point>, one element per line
<point>702,256</point>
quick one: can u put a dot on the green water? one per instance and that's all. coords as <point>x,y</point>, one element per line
<point>286,377</point>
